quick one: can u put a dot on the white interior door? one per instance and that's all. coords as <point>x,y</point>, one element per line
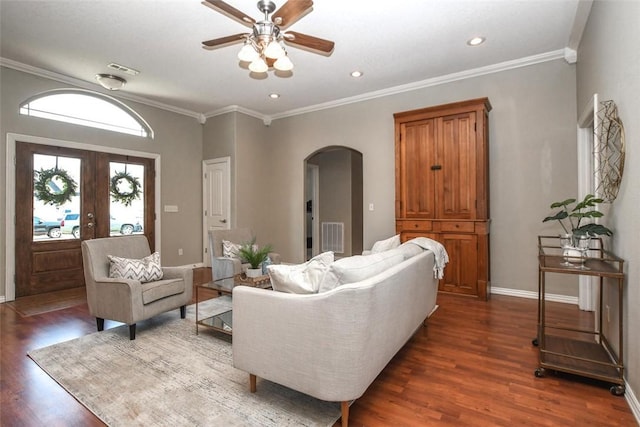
<point>215,199</point>
<point>587,165</point>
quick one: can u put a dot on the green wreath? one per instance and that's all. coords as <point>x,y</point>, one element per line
<point>44,191</point>
<point>125,197</point>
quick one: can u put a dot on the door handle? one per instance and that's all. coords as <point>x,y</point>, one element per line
<point>436,167</point>
<point>90,224</point>
<point>224,221</point>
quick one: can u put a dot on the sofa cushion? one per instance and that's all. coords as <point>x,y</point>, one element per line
<point>359,267</point>
<point>300,278</point>
<point>144,270</point>
<point>385,245</point>
<point>230,249</point>
<point>153,291</point>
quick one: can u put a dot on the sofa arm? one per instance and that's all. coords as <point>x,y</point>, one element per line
<point>304,342</point>
<point>114,299</point>
<point>184,273</point>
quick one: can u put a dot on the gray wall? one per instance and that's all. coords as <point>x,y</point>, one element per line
<point>532,127</point>
<point>532,160</point>
<point>178,139</point>
<point>609,65</point>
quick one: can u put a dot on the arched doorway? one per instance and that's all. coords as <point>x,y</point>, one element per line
<point>334,201</point>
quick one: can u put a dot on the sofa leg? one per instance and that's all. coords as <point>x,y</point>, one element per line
<point>132,332</point>
<point>100,323</point>
<point>252,383</point>
<point>183,311</point>
<point>344,406</point>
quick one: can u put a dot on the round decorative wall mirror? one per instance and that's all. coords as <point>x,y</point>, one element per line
<point>609,149</point>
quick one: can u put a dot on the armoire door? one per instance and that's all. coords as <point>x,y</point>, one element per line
<point>418,156</point>
<point>461,273</point>
<point>456,156</point>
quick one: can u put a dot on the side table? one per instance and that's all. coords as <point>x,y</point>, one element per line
<point>594,358</point>
<point>222,322</point>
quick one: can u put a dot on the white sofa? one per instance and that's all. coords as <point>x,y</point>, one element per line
<point>332,345</point>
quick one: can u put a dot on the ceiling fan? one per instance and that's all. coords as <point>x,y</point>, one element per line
<point>262,46</point>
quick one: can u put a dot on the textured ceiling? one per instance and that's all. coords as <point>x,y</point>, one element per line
<point>395,44</point>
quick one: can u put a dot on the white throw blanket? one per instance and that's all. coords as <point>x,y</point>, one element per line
<point>440,253</point>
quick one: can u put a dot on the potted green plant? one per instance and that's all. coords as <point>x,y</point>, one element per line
<point>254,256</point>
<point>575,214</point>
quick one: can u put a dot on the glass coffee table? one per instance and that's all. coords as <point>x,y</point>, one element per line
<point>222,322</point>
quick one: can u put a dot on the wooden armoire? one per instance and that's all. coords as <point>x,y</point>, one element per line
<point>442,187</point>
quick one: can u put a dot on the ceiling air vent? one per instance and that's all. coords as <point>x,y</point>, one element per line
<point>124,69</point>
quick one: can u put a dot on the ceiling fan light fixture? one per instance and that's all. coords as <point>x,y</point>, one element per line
<point>110,81</point>
<point>274,50</point>
<point>248,53</point>
<point>264,46</point>
<point>258,66</point>
<point>283,64</point>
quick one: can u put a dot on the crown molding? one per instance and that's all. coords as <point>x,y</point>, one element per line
<point>238,109</point>
<point>467,74</point>
<point>267,119</point>
<point>579,23</point>
<point>19,66</point>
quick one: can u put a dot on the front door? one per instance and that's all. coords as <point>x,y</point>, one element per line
<point>64,196</point>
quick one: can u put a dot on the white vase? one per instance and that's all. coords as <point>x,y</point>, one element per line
<point>254,272</point>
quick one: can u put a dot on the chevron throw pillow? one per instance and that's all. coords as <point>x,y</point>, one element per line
<point>146,269</point>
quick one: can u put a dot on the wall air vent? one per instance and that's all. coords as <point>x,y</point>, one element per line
<point>124,69</point>
<point>333,237</point>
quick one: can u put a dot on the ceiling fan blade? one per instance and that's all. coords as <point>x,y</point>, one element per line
<point>230,11</point>
<point>290,12</point>
<point>223,41</point>
<point>315,44</point>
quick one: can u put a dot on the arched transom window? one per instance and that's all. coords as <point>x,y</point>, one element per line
<point>86,108</point>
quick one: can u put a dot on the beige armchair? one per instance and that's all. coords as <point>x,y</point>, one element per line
<point>223,267</point>
<point>129,301</point>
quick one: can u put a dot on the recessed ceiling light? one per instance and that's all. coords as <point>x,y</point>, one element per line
<point>476,41</point>
<point>274,95</point>
<point>357,73</point>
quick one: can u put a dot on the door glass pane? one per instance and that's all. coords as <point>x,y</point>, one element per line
<point>127,198</point>
<point>56,194</point>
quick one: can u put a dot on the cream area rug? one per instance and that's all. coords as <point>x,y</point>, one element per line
<point>169,376</point>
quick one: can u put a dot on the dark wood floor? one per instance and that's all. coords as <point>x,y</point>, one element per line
<point>472,366</point>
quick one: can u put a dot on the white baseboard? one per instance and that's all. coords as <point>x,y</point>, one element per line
<point>632,400</point>
<point>2,299</point>
<point>534,295</point>
<point>194,265</point>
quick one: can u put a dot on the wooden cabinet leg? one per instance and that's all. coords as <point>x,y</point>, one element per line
<point>344,405</point>
<point>252,383</point>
